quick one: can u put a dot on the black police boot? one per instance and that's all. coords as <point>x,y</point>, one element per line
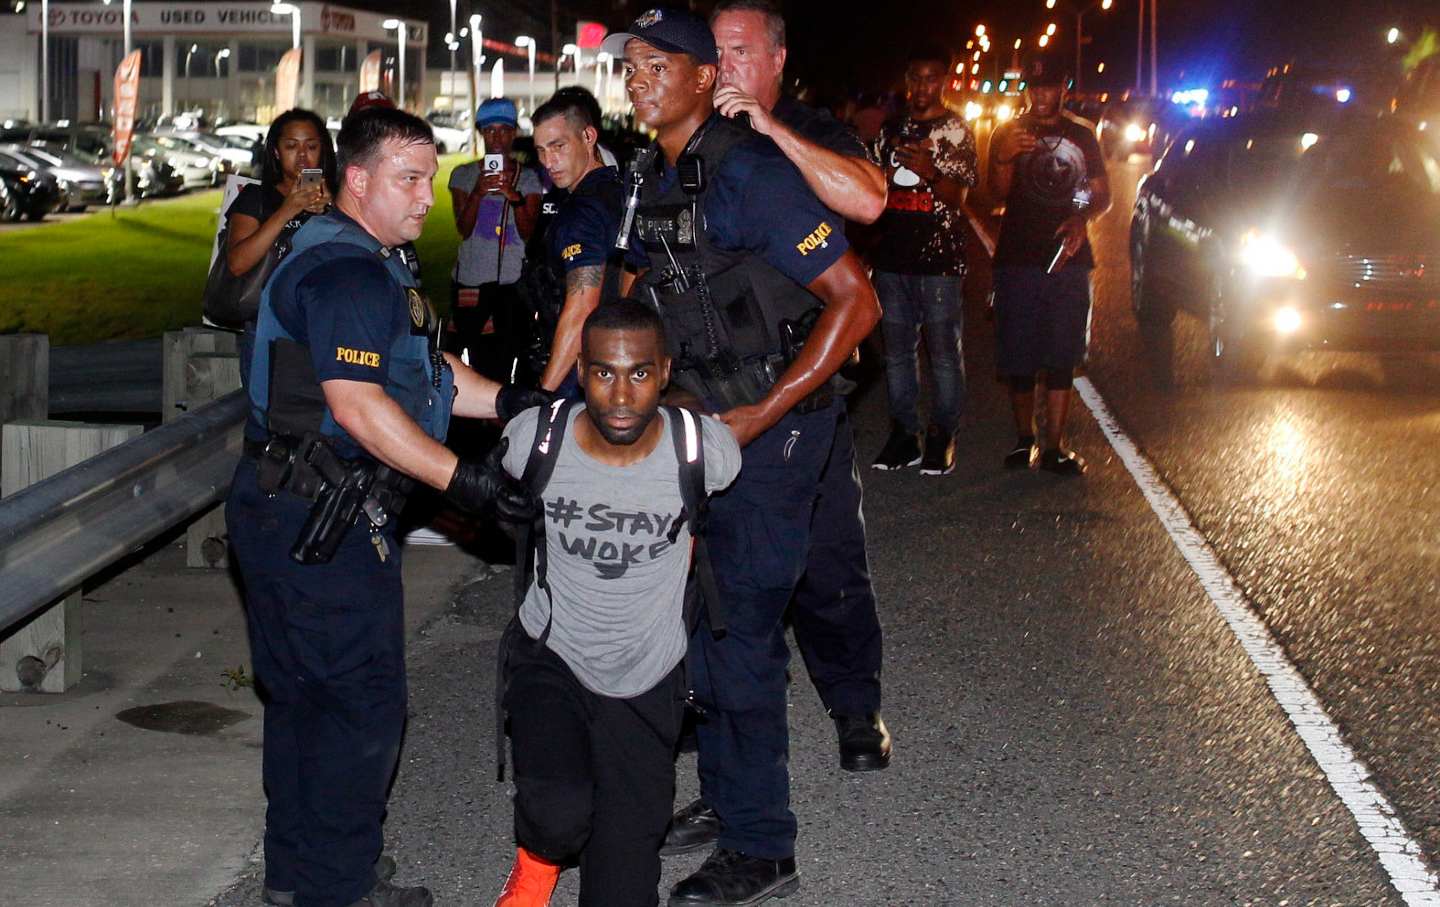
<point>384,894</point>
<point>384,872</point>
<point>729,877</point>
<point>692,828</point>
<point>864,742</point>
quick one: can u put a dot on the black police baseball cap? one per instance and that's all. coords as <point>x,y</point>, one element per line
<point>1045,71</point>
<point>675,31</point>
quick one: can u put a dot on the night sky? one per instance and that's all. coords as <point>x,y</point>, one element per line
<point>838,47</point>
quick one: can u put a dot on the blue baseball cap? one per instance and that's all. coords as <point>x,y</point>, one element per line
<point>675,31</point>
<point>497,111</point>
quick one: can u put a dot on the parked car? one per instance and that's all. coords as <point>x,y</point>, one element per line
<point>251,132</point>
<point>82,184</point>
<point>25,189</point>
<point>452,131</point>
<point>199,169</point>
<point>92,143</point>
<point>238,152</point>
<point>1283,233</point>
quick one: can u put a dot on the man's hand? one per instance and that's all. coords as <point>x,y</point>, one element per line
<point>1072,233</point>
<point>476,487</point>
<point>513,399</point>
<point>1014,142</point>
<point>919,159</point>
<point>747,423</point>
<point>730,101</point>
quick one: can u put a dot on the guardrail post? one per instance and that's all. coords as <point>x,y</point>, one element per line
<point>24,377</point>
<point>44,653</point>
<point>201,365</point>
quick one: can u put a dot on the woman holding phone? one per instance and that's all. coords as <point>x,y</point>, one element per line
<point>298,179</point>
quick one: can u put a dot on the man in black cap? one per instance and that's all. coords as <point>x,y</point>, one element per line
<point>762,301</point>
<point>1047,166</point>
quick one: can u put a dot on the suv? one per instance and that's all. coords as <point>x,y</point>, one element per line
<point>1283,233</point>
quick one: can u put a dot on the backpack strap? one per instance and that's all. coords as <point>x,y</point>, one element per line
<point>686,431</point>
<point>530,550</point>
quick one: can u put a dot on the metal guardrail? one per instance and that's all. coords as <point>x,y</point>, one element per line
<point>122,376</point>
<point>57,533</point>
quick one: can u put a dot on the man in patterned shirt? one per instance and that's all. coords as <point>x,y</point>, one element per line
<point>919,259</point>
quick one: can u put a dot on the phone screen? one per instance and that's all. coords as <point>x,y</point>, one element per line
<point>310,178</point>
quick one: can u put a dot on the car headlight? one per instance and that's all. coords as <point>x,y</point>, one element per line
<point>1135,133</point>
<point>1265,256</point>
<point>972,111</point>
<point>1004,112</point>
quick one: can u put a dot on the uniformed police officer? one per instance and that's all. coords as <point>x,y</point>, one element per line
<point>351,399</point>
<point>763,301</point>
<point>565,282</point>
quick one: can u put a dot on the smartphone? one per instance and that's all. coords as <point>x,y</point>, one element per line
<point>310,178</point>
<point>492,164</point>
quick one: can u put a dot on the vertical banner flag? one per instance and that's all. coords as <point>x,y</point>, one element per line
<point>287,79</point>
<point>127,95</point>
<point>370,72</point>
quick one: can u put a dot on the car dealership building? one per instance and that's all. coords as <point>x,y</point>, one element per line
<point>217,57</point>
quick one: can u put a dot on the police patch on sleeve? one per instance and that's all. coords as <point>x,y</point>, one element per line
<point>357,357</point>
<point>816,239</point>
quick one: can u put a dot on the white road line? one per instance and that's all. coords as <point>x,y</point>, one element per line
<point>1400,855</point>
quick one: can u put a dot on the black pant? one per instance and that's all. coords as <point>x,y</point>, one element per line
<point>328,645</point>
<point>594,775</point>
<point>492,355</point>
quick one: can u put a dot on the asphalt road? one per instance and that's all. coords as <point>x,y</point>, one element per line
<point>1074,723</point>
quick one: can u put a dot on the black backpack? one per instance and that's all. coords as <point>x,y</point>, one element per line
<point>530,557</point>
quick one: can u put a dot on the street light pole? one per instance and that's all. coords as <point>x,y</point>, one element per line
<point>44,61</point>
<point>453,41</point>
<point>528,43</point>
<point>399,26</point>
<point>188,54</point>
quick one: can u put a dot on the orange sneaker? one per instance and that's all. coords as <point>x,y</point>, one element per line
<point>530,883</point>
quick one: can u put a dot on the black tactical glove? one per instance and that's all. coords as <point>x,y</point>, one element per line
<point>514,399</point>
<point>479,486</point>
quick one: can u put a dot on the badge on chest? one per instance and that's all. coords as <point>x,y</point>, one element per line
<point>668,225</point>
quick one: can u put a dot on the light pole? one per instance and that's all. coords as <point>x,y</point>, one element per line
<point>528,43</point>
<point>477,59</point>
<point>454,45</point>
<point>293,11</point>
<point>188,54</point>
<point>224,54</point>
<point>399,26</point>
<point>572,51</point>
<point>1079,10</point>
<point>45,61</point>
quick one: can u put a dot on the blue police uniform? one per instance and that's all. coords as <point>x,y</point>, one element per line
<point>576,229</point>
<point>763,531</point>
<point>836,626</point>
<point>327,640</point>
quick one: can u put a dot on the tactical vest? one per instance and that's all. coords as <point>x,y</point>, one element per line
<point>732,321</point>
<point>542,277</point>
<point>285,394</point>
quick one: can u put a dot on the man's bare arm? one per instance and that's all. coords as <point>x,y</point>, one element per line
<point>851,312</point>
<point>852,187</point>
<point>474,393</point>
<point>582,295</point>
<point>386,431</point>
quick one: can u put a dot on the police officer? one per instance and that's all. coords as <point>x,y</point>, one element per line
<point>565,281</point>
<point>762,301</point>
<point>350,400</point>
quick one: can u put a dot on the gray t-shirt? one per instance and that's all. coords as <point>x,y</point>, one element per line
<point>475,263</point>
<point>617,584</point>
